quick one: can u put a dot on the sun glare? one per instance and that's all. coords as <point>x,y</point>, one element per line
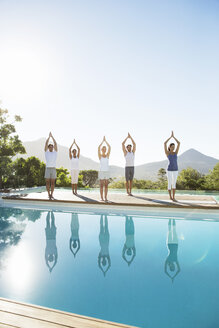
<point>20,269</point>
<point>23,73</point>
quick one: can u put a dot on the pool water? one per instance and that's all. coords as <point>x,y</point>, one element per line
<point>114,266</point>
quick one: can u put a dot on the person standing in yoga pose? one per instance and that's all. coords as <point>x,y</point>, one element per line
<point>171,262</point>
<point>104,261</point>
<point>51,254</point>
<point>172,170</point>
<point>129,154</point>
<point>74,158</point>
<point>50,173</point>
<point>103,155</point>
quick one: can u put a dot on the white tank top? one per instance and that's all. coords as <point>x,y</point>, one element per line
<point>129,159</point>
<point>51,157</point>
<point>74,163</point>
<point>104,164</point>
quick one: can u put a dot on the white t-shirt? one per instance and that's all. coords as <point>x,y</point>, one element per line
<point>104,164</point>
<point>129,159</point>
<point>51,157</point>
<point>75,163</point>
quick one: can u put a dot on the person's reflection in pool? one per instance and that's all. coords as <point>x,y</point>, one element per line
<point>74,240</point>
<point>171,262</point>
<point>104,261</point>
<point>51,254</point>
<point>129,251</point>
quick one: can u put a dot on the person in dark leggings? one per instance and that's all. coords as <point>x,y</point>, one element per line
<point>129,154</point>
<point>129,251</point>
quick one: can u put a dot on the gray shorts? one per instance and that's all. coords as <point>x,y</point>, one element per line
<point>129,173</point>
<point>50,173</point>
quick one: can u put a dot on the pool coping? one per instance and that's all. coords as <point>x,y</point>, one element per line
<point>19,314</point>
<point>177,205</point>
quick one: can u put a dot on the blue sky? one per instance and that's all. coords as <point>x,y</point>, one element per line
<point>84,69</point>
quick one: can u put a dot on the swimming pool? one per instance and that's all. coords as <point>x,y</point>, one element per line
<point>114,264</point>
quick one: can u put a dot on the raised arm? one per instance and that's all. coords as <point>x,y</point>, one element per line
<point>178,144</point>
<point>165,144</point>
<point>133,142</point>
<point>123,146</point>
<point>109,147</point>
<point>99,149</point>
<point>47,142</point>
<point>70,150</point>
<point>55,143</point>
<point>78,149</point>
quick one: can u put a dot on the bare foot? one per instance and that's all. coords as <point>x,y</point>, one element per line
<point>174,200</point>
<point>106,200</point>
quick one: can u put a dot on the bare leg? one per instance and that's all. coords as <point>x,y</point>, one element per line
<point>101,189</point>
<point>52,186</point>
<point>76,187</point>
<point>127,187</point>
<point>130,186</point>
<point>174,191</point>
<point>48,187</point>
<point>106,188</point>
<point>72,188</point>
<point>169,191</point>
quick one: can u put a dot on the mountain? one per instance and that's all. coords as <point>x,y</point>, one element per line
<point>190,158</point>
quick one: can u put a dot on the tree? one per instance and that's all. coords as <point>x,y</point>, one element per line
<point>212,179</point>
<point>89,177</point>
<point>63,178</point>
<point>190,179</point>
<point>162,178</point>
<point>10,145</point>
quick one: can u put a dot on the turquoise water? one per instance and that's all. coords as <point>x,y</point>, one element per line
<point>112,266</point>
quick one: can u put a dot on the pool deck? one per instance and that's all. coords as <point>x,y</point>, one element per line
<point>148,200</point>
<point>15,314</point>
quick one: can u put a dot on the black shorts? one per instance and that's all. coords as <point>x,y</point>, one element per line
<point>129,173</point>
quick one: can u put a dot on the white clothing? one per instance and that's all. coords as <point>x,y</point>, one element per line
<point>172,177</point>
<point>130,241</point>
<point>75,163</point>
<point>74,176</point>
<point>51,157</point>
<point>129,159</point>
<point>104,175</point>
<point>104,164</point>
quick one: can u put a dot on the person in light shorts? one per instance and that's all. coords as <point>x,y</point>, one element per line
<point>50,172</point>
<point>74,159</point>
<point>103,155</point>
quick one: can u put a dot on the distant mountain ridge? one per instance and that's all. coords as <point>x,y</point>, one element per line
<point>190,158</point>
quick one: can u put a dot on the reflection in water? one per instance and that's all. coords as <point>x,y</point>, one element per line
<point>12,226</point>
<point>171,262</point>
<point>74,240</point>
<point>104,262</point>
<point>51,254</point>
<point>129,250</point>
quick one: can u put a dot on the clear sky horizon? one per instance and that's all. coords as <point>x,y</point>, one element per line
<point>85,69</point>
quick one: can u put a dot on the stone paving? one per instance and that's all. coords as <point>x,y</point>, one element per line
<point>157,200</point>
